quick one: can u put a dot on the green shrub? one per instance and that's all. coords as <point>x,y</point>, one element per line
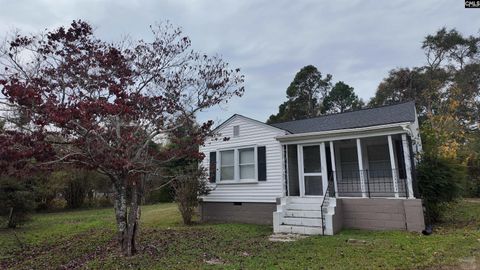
<point>75,192</point>
<point>76,184</point>
<point>100,201</point>
<point>439,181</point>
<point>16,201</point>
<point>57,204</point>
<point>473,183</point>
<point>161,195</point>
<point>190,182</point>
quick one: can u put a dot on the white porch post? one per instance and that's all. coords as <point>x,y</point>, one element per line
<point>360,168</point>
<point>286,185</point>
<point>323,161</point>
<point>394,166</point>
<point>334,170</point>
<point>300,170</point>
<point>408,165</point>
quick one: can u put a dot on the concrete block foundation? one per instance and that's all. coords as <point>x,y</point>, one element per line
<point>354,213</point>
<point>241,212</point>
<point>383,214</point>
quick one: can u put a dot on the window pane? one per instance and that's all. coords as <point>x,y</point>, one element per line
<point>247,171</point>
<point>313,185</point>
<point>226,173</point>
<point>246,156</point>
<point>311,159</point>
<point>227,158</point>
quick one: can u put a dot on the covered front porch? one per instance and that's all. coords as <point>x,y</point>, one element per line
<point>365,166</point>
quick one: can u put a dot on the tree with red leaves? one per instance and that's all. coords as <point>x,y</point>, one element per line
<point>102,106</point>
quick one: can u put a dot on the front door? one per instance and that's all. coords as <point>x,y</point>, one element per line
<point>312,173</point>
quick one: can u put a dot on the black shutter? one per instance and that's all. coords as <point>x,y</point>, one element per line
<point>262,163</point>
<point>213,167</point>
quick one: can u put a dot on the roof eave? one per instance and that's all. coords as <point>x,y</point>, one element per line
<point>402,127</point>
<point>224,123</point>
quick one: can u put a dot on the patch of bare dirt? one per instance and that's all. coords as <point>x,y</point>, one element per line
<point>285,237</point>
<point>64,247</point>
<point>473,200</point>
<point>468,263</point>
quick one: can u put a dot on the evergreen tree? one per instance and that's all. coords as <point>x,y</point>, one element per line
<point>305,96</point>
<point>340,99</point>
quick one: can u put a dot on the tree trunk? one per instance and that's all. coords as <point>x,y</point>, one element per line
<point>133,218</point>
<point>127,219</point>
<point>187,214</point>
<point>11,219</point>
<point>120,205</point>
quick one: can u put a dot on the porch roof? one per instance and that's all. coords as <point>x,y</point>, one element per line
<point>398,113</point>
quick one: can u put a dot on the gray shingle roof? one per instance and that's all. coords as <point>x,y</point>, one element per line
<point>403,112</point>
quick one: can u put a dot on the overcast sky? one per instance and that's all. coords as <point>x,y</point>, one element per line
<point>357,42</point>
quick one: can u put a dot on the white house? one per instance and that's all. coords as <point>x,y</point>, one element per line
<point>317,175</point>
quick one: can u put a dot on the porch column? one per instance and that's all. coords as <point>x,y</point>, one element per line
<point>301,180</point>
<point>360,168</point>
<point>394,166</point>
<point>334,169</point>
<point>286,185</point>
<point>408,165</point>
<point>323,161</point>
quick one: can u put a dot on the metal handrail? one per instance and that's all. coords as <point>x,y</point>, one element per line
<point>326,198</point>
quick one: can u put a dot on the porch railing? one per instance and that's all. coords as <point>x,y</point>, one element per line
<point>376,183</point>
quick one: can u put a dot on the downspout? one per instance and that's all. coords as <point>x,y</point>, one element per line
<point>413,159</point>
<point>407,129</point>
<point>428,226</point>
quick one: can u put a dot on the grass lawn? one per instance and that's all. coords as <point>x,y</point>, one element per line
<point>85,239</point>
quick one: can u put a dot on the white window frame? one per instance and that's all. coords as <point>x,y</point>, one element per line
<point>246,164</point>
<point>229,165</point>
<point>236,170</point>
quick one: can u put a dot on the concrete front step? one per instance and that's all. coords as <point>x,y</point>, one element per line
<point>305,200</point>
<point>303,213</point>
<point>303,206</point>
<point>302,221</point>
<point>300,229</point>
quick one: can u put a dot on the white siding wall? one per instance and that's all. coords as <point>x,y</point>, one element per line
<point>251,133</point>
